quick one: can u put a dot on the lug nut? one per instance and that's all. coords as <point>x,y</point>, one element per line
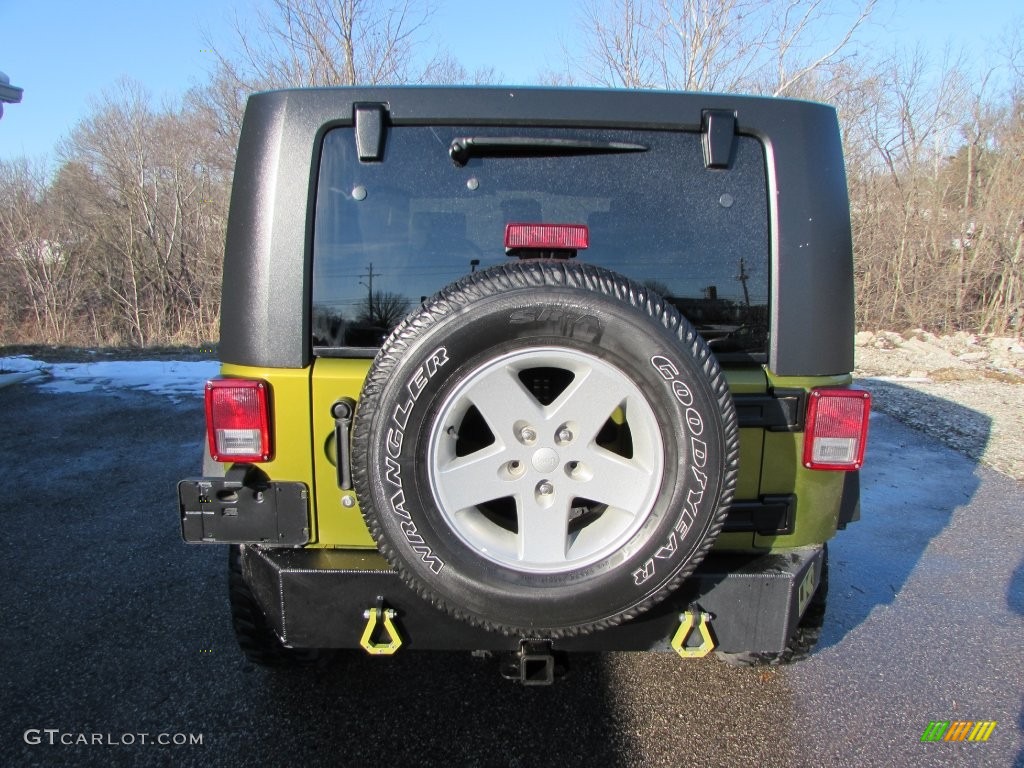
<point>564,435</point>
<point>545,488</point>
<point>527,434</point>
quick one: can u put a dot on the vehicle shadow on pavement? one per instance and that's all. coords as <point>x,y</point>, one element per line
<point>449,709</point>
<point>910,489</point>
<point>1015,600</point>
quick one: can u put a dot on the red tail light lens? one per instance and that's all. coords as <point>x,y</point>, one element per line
<point>556,237</point>
<point>837,428</point>
<point>238,420</point>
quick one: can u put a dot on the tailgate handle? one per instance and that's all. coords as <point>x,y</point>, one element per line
<point>342,411</point>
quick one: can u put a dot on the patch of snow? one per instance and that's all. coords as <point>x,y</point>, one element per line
<point>19,364</point>
<point>173,378</point>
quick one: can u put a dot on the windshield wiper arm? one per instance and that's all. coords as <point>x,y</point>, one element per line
<point>525,146</point>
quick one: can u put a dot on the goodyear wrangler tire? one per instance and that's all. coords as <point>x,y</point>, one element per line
<point>545,449</point>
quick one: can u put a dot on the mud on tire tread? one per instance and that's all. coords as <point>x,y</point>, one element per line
<point>453,301</point>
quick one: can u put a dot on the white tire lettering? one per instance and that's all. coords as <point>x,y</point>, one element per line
<point>640,575</point>
<point>393,449</point>
<point>699,449</point>
<point>682,393</point>
<point>665,367</point>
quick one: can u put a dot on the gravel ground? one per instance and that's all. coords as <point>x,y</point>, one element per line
<point>963,390</point>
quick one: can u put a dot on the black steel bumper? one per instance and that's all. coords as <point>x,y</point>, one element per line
<point>316,598</point>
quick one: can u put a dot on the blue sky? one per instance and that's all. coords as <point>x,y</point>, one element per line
<point>62,52</point>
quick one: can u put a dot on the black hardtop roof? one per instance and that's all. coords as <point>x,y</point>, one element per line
<point>633,107</point>
<point>265,317</point>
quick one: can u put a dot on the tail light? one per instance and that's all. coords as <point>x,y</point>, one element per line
<point>837,428</point>
<point>238,420</point>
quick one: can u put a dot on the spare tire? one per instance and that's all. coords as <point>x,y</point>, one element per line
<point>545,449</point>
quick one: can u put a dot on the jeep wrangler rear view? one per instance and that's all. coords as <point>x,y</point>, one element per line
<point>528,371</point>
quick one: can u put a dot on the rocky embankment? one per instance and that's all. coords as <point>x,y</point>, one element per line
<point>966,390</point>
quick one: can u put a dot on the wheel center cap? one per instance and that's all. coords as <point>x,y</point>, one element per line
<point>545,460</point>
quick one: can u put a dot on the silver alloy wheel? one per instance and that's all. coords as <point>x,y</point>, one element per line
<point>539,493</point>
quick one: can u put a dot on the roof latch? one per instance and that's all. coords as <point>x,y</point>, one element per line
<point>371,122</point>
<point>718,129</point>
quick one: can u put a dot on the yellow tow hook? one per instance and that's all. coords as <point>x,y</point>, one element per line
<point>385,616</point>
<point>688,621</point>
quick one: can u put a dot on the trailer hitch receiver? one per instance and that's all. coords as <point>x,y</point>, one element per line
<point>535,663</point>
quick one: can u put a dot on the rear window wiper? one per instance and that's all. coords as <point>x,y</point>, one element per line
<point>462,149</point>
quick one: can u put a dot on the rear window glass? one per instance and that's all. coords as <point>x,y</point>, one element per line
<point>389,234</point>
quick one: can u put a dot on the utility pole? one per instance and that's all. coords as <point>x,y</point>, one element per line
<point>743,276</point>
<point>369,298</point>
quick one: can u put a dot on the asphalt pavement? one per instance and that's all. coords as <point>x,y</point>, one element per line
<point>114,628</point>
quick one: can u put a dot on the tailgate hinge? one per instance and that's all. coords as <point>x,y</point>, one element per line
<point>371,130</point>
<point>718,134</point>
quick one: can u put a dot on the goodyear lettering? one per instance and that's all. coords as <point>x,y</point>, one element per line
<point>698,450</point>
<point>393,449</point>
<point>694,421</point>
<point>682,393</point>
<point>665,367</point>
<point>669,549</point>
<point>694,496</point>
<point>640,575</point>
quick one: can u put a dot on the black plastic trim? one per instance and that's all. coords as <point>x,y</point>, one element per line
<point>849,503</point>
<point>781,410</point>
<point>269,238</point>
<point>768,516</point>
<point>346,352</point>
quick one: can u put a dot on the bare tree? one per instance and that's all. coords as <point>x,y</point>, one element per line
<point>621,45</point>
<point>762,46</point>
<point>384,309</point>
<point>156,215</point>
<point>332,42</point>
<point>298,43</point>
<point>39,264</point>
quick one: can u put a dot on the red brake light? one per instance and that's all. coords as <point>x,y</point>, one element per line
<point>238,420</point>
<point>837,428</point>
<point>555,237</point>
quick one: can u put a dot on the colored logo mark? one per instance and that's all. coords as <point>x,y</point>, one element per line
<point>958,730</point>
